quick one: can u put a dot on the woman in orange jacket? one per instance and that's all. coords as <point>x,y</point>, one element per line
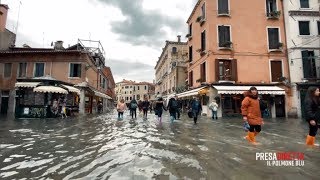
<point>250,110</point>
<point>312,113</point>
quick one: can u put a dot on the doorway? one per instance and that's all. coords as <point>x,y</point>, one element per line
<point>279,102</point>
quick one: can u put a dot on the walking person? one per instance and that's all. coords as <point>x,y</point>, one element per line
<point>196,108</point>
<point>145,106</point>
<point>312,113</point>
<point>64,110</point>
<point>159,107</point>
<point>173,108</point>
<point>179,110</point>
<point>121,107</point>
<point>214,109</point>
<point>133,108</point>
<point>250,109</point>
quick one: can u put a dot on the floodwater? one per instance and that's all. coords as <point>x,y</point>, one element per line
<point>101,147</point>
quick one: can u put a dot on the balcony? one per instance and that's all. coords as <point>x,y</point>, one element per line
<point>201,20</point>
<point>276,47</point>
<point>189,36</point>
<point>273,14</point>
<point>225,13</point>
<point>225,45</point>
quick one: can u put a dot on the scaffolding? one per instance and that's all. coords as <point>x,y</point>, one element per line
<point>94,49</point>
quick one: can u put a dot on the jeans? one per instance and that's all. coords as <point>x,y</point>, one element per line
<point>120,115</point>
<point>255,128</point>
<point>178,112</point>
<point>214,114</point>
<point>133,112</point>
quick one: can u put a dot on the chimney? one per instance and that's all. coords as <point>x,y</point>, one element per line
<point>58,45</point>
<point>3,16</point>
<point>179,38</point>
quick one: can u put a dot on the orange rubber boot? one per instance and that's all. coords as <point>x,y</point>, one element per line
<point>310,140</point>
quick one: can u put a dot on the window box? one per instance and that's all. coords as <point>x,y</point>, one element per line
<point>189,36</point>
<point>274,14</point>
<point>202,53</point>
<point>201,20</point>
<point>225,45</point>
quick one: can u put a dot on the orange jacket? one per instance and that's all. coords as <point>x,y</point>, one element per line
<point>250,108</point>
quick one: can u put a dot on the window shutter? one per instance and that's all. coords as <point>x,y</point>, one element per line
<point>306,64</point>
<point>227,33</point>
<point>217,70</point>
<point>71,74</point>
<point>273,38</point>
<point>79,70</point>
<point>234,70</point>
<point>221,36</point>
<point>223,7</point>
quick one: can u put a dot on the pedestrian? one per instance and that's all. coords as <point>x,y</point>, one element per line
<point>179,110</point>
<point>121,107</point>
<point>312,113</point>
<point>140,106</point>
<point>214,109</point>
<point>55,106</point>
<point>133,108</point>
<point>196,108</point>
<point>159,107</point>
<point>250,109</point>
<point>173,108</point>
<point>64,110</point>
<point>145,106</point>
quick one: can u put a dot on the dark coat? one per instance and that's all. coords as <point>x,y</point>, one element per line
<point>312,111</point>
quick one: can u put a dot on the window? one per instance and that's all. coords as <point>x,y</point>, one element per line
<point>309,64</point>
<point>22,70</point>
<point>304,28</point>
<point>134,88</point>
<point>174,50</point>
<point>271,6</point>
<point>318,22</point>
<point>203,10</point>
<point>276,71</point>
<point>190,78</point>
<point>203,40</point>
<point>190,53</point>
<point>75,70</point>
<point>273,35</point>
<point>130,98</point>
<point>304,3</point>
<point>224,36</point>
<point>203,72</point>
<point>130,92</point>
<point>127,87</point>
<point>7,70</point>
<point>138,88</point>
<point>226,70</point>
<point>145,87</point>
<point>103,83</point>
<point>223,6</point>
<point>190,29</point>
<point>39,70</point>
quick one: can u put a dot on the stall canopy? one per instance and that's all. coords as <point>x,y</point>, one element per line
<point>72,89</point>
<point>190,93</point>
<point>97,93</point>
<point>50,89</point>
<point>26,84</point>
<point>241,89</point>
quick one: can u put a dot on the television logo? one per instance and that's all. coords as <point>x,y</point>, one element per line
<point>282,158</point>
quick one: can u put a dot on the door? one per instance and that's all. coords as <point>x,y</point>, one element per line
<point>280,106</point>
<point>4,105</point>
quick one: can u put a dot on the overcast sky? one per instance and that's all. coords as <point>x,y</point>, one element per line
<point>132,32</point>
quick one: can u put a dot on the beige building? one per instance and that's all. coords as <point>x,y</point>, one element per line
<point>128,90</point>
<point>171,68</point>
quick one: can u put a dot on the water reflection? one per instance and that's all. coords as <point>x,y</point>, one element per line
<point>104,148</point>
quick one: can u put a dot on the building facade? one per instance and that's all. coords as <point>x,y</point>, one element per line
<point>7,38</point>
<point>75,66</point>
<point>171,68</point>
<point>228,53</point>
<point>128,90</point>
<point>302,20</point>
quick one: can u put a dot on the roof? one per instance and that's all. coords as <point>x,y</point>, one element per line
<point>194,10</point>
<point>21,50</point>
<point>4,5</point>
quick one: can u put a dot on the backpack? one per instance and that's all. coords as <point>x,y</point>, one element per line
<point>134,105</point>
<point>174,104</point>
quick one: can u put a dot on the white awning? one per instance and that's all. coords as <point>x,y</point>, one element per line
<point>241,89</point>
<point>26,84</point>
<point>190,93</point>
<point>97,93</point>
<point>50,89</point>
<point>72,89</point>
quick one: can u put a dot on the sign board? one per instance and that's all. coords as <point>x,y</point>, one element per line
<point>26,111</point>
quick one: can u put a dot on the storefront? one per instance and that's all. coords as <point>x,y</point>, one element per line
<point>45,98</point>
<point>230,97</point>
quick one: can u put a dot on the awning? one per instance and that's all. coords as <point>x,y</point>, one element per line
<point>26,84</point>
<point>190,93</point>
<point>50,89</point>
<point>97,93</point>
<point>72,89</point>
<point>241,89</point>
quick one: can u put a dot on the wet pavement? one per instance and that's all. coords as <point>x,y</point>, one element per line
<point>102,147</point>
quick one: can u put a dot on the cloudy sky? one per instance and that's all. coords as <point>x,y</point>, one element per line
<point>132,32</point>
